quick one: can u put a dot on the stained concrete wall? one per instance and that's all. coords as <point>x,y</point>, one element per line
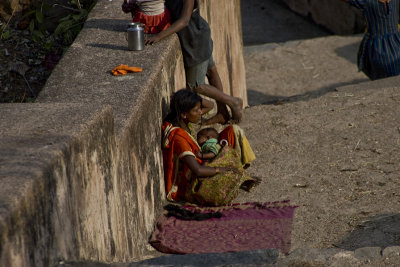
<point>81,169</point>
<point>335,15</point>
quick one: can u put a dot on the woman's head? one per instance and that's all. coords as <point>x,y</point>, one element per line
<point>185,105</point>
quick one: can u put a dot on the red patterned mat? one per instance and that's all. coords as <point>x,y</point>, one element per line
<point>249,226</point>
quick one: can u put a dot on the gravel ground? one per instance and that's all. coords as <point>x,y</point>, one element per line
<point>334,151</point>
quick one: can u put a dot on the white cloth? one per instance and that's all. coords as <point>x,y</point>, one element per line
<point>151,7</point>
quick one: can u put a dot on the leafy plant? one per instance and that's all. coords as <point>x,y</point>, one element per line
<point>6,33</point>
<point>77,3</point>
<point>71,25</point>
<point>36,26</point>
<point>67,29</point>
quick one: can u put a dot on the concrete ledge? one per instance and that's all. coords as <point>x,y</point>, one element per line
<point>42,152</point>
<point>81,169</point>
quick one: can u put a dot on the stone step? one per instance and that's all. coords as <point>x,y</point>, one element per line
<point>294,69</point>
<point>366,256</point>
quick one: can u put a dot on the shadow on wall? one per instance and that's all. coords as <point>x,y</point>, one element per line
<point>380,231</point>
<point>256,98</point>
<point>110,47</point>
<point>349,52</point>
<point>271,21</point>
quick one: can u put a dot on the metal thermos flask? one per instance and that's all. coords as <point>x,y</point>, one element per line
<point>135,36</point>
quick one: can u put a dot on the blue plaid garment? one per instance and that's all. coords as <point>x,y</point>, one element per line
<point>379,52</point>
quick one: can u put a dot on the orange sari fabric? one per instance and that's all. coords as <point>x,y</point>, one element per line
<point>177,143</point>
<point>228,134</point>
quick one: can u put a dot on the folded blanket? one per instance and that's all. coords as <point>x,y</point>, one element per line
<point>124,69</point>
<point>238,227</point>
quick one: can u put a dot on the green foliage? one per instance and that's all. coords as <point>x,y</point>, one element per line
<point>67,29</point>
<point>5,34</point>
<point>71,25</point>
<point>36,26</point>
<point>77,3</point>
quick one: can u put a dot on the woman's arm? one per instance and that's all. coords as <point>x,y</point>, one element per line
<point>178,25</point>
<point>207,155</point>
<point>206,105</point>
<point>204,171</point>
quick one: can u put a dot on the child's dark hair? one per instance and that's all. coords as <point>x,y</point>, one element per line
<point>182,101</point>
<point>206,130</point>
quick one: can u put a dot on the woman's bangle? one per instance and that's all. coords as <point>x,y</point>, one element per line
<point>223,142</point>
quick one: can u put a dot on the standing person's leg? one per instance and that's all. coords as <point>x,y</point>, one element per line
<point>194,76</point>
<point>195,80</point>
<point>235,103</point>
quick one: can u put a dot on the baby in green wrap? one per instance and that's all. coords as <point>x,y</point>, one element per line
<point>207,139</point>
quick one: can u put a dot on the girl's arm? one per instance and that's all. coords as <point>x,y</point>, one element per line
<point>128,7</point>
<point>204,171</point>
<point>178,25</point>
<point>206,105</point>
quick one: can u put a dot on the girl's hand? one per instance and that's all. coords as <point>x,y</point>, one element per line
<point>152,39</point>
<point>127,7</point>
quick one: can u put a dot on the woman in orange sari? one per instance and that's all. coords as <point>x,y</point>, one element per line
<point>181,165</point>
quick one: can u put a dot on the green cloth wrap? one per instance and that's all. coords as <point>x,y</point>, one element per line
<point>211,145</point>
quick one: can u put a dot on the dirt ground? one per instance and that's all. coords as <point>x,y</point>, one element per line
<point>337,158</point>
<point>334,153</point>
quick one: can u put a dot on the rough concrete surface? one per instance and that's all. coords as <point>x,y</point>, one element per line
<point>94,194</point>
<point>77,77</point>
<point>40,163</point>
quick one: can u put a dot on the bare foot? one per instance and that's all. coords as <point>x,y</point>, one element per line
<point>250,184</point>
<point>236,109</point>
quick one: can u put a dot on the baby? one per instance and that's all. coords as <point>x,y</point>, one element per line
<point>152,13</point>
<point>207,139</point>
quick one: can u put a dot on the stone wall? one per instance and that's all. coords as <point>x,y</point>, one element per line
<point>227,35</point>
<point>335,15</point>
<point>81,169</point>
